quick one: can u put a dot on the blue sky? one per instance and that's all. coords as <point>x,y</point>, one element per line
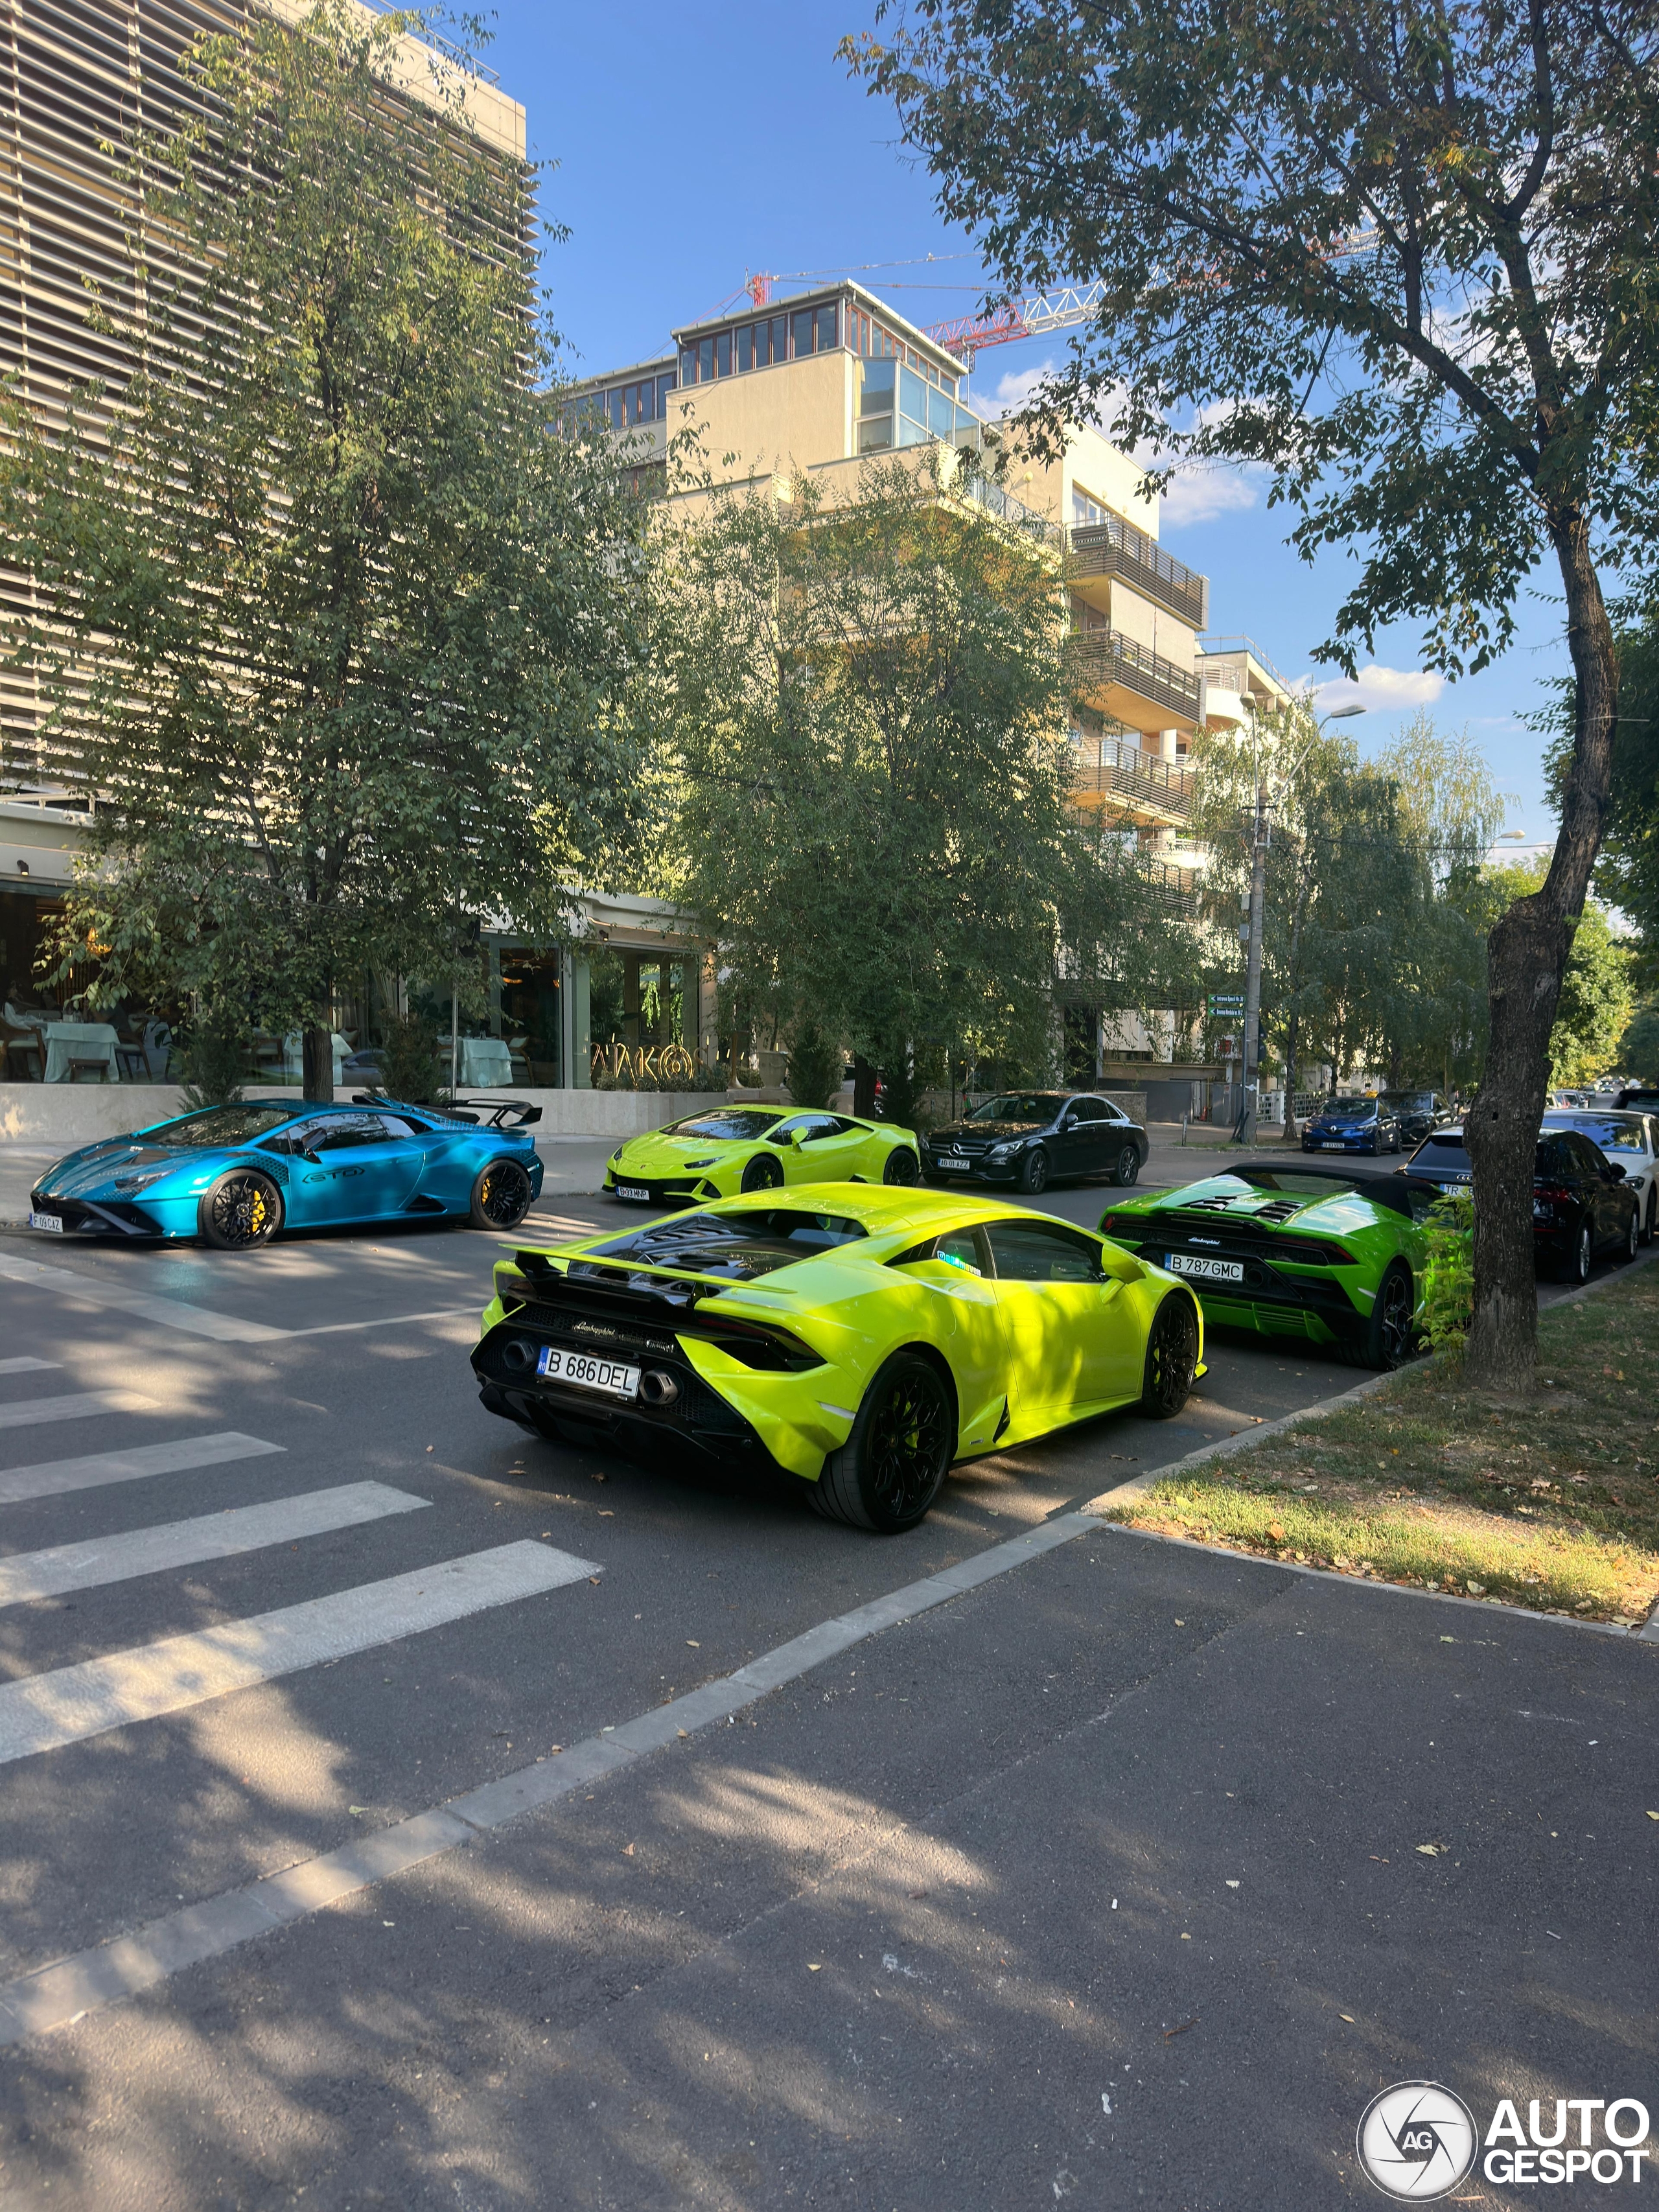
<point>694,144</point>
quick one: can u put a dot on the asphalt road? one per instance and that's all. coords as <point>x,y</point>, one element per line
<point>821,1953</point>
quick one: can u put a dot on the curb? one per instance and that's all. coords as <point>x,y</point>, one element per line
<point>1138,1485</point>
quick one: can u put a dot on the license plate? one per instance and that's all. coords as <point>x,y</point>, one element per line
<point>954,1160</point>
<point>588,1373</point>
<point>1333,1144</point>
<point>50,1222</point>
<point>634,1190</point>
<point>1210,1271</point>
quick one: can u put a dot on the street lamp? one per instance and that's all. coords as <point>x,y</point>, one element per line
<point>1259,840</point>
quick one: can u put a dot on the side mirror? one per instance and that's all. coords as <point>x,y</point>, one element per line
<point>1615,1173</point>
<point>797,1136</point>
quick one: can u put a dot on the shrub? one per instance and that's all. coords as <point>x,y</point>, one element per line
<point>1448,1287</point>
<point>408,1059</point>
<point>814,1068</point>
<point>213,1060</point>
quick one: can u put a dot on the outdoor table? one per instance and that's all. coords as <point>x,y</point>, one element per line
<point>486,1061</point>
<point>67,1041</point>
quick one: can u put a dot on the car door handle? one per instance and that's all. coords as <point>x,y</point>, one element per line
<point>1109,1289</point>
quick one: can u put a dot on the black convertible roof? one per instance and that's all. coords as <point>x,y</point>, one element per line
<point>1391,1187</point>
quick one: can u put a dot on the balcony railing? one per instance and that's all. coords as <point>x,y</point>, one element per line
<point>1106,656</point>
<point>1125,768</point>
<point>1172,883</point>
<point>1115,548</point>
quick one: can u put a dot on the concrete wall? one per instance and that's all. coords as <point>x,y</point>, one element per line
<point>71,1114</point>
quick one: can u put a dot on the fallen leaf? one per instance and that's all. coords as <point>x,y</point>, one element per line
<point>364,1808</point>
<point>1185,1937</point>
<point>1182,2030</point>
<point>1475,1589</point>
<point>606,1514</point>
<point>1275,1532</point>
<point>1653,1816</point>
<point>556,1747</point>
<point>1348,2016</point>
<point>627,1850</point>
<point>1432,1850</point>
<point>684,1731</point>
<point>692,1644</point>
<point>815,1970</point>
<point>1232,1885</point>
<point>594,1580</point>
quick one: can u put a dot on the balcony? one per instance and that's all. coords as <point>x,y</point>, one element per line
<point>1115,548</point>
<point>1124,679</point>
<point>1138,785</point>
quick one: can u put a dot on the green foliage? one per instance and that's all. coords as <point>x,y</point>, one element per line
<point>409,1058</point>
<point>1598,994</point>
<point>1448,1285</point>
<point>213,1058</point>
<point>336,629</point>
<point>867,705</point>
<point>815,1066</point>
<point>1639,1048</point>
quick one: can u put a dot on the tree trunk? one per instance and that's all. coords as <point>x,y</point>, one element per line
<point>864,1087</point>
<point>318,1065</point>
<point>1291,1028</point>
<point>1527,953</point>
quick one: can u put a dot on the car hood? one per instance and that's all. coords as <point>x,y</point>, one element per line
<point>1225,1199</point>
<point>993,1132</point>
<point>659,1154</point>
<point>83,1174</point>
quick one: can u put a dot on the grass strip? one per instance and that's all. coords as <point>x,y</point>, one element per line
<point>1550,1501</point>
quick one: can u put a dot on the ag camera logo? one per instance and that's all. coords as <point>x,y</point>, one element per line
<point>1417,2141</point>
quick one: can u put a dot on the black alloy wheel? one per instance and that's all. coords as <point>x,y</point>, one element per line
<point>1128,1167</point>
<point>243,1208</point>
<point>1389,1336</point>
<point>891,1468</point>
<point>1034,1171</point>
<point>902,1166</point>
<point>763,1174</point>
<point>501,1195</point>
<point>1172,1357</point>
<point>1632,1236</point>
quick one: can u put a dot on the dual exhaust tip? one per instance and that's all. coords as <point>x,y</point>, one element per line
<point>657,1387</point>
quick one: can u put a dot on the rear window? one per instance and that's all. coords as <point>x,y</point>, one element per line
<point>740,1247</point>
<point>1614,1132</point>
<point>221,1125</point>
<point>1443,1155</point>
<point>730,1125</point>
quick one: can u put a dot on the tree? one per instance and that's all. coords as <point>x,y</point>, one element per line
<point>1598,996</point>
<point>866,702</point>
<point>1401,254</point>
<point>336,630</point>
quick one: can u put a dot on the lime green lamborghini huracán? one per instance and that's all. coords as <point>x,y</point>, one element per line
<point>724,1150</point>
<point>859,1338</point>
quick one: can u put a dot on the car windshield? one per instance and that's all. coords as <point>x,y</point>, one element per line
<point>1410,1101</point>
<point>1352,1108</point>
<point>739,1246</point>
<point>1017,1106</point>
<point>1614,1133</point>
<point>726,1125</point>
<point>221,1125</point>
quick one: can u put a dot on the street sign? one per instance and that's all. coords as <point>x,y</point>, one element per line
<point>1220,1005</point>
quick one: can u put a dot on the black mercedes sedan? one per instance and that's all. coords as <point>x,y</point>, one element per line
<point>1417,1112</point>
<point>1032,1138</point>
<point>1581,1205</point>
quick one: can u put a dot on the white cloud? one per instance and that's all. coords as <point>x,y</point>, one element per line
<point>1385,687</point>
<point>1202,492</point>
<point>1018,385</point>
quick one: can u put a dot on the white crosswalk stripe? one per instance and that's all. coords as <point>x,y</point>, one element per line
<point>28,1413</point>
<point>186,1543</point>
<point>41,1712</point>
<point>50,1478</point>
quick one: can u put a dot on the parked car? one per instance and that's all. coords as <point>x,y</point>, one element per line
<point>1633,1098</point>
<point>1417,1112</point>
<point>1334,1255</point>
<point>1631,1141</point>
<point>1033,1137</point>
<point>1581,1203</point>
<point>234,1176</point>
<point>855,1339</point>
<point>722,1150</point>
<point>1353,1125</point>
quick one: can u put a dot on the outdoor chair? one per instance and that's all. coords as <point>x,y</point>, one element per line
<point>25,1056</point>
<point>88,1071</point>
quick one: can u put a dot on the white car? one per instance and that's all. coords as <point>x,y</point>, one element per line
<point>1630,1139</point>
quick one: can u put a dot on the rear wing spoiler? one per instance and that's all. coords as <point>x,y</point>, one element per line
<point>493,1113</point>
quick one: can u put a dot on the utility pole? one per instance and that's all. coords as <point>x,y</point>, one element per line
<point>1259,833</point>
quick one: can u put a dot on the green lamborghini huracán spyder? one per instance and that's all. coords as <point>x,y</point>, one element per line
<point>1333,1254</point>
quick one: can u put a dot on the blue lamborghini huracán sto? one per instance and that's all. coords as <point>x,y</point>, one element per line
<point>234,1175</point>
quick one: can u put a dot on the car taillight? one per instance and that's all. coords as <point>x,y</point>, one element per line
<point>1557,1194</point>
<point>1123,1225</point>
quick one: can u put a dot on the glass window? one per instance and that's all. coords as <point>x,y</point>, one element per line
<point>745,347</point>
<point>345,1133</point>
<point>960,1249</point>
<point>728,1125</point>
<point>877,382</point>
<point>801,333</point>
<point>760,337</point>
<point>780,337</point>
<point>1446,1155</point>
<point>1033,1110</point>
<point>665,386</point>
<point>827,328</point>
<point>1090,1109</point>
<point>738,1246</point>
<point>1614,1132</point>
<point>912,396</point>
<point>876,435</point>
<point>617,403</point>
<point>705,361</point>
<point>940,414</point>
<point>394,1127</point>
<point>723,353</point>
<point>1044,1252</point>
<point>1086,507</point>
<point>221,1125</point>
<point>687,366</point>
